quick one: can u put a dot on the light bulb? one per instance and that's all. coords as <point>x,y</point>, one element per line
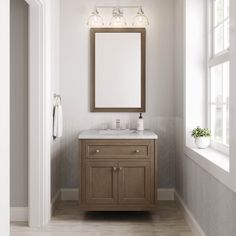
<point>95,20</point>
<point>117,19</point>
<point>140,19</point>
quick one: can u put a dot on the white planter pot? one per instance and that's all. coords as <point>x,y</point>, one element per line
<point>202,142</point>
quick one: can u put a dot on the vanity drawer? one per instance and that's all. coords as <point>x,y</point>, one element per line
<point>121,149</point>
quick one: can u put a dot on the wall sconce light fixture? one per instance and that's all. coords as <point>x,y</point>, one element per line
<point>118,19</point>
<point>140,19</point>
<point>95,20</point>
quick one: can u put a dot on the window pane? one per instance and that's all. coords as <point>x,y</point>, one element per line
<point>216,85</point>
<point>219,108</point>
<point>219,39</point>
<point>217,123</point>
<point>226,101</point>
<point>226,81</point>
<point>226,34</point>
<point>226,9</point>
<point>219,11</point>
<point>217,102</point>
<point>227,123</point>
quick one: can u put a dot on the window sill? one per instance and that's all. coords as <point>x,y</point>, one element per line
<point>217,158</point>
<point>214,162</point>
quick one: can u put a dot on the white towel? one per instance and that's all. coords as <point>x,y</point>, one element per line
<point>57,121</point>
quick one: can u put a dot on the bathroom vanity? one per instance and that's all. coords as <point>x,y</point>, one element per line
<point>117,170</point>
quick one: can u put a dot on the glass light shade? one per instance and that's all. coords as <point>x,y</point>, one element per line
<point>118,19</point>
<point>140,19</point>
<point>95,20</point>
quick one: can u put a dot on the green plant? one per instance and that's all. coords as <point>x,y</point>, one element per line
<point>199,132</point>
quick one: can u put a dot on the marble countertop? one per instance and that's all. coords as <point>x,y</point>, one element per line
<point>117,134</point>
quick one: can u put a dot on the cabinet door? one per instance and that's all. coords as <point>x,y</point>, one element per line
<point>101,182</point>
<point>135,182</point>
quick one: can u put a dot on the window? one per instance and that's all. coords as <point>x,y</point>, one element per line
<point>209,90</point>
<point>218,67</point>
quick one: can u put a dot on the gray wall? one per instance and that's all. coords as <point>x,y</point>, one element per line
<point>19,103</point>
<point>212,204</point>
<point>75,83</point>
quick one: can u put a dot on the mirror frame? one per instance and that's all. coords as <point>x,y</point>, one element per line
<point>142,32</point>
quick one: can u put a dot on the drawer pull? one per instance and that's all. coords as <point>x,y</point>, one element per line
<point>115,168</point>
<point>97,151</point>
<point>137,151</point>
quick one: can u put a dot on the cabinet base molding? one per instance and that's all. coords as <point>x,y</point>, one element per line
<point>166,194</point>
<point>71,194</point>
<point>55,201</point>
<point>19,214</point>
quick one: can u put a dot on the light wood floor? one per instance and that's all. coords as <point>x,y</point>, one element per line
<point>68,221</point>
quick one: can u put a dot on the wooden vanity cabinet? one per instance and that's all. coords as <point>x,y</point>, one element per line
<point>117,175</point>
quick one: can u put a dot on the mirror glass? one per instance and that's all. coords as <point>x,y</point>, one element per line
<point>118,72</point>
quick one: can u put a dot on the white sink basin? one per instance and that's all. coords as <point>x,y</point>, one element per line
<point>115,132</point>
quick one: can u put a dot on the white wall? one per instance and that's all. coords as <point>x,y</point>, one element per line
<point>75,82</point>
<point>5,115</point>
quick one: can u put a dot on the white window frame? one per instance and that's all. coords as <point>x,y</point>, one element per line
<point>214,60</point>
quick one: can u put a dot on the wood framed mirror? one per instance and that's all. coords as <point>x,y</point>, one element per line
<point>118,69</point>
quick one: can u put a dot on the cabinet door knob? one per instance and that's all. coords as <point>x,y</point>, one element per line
<point>97,151</point>
<point>115,168</point>
<point>121,168</point>
<point>137,151</point>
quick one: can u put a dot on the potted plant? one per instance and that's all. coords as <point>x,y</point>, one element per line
<point>202,137</point>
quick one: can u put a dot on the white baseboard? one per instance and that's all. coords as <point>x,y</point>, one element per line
<point>18,214</point>
<point>69,194</point>
<point>195,227</point>
<point>72,194</point>
<point>166,194</point>
<point>55,201</point>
